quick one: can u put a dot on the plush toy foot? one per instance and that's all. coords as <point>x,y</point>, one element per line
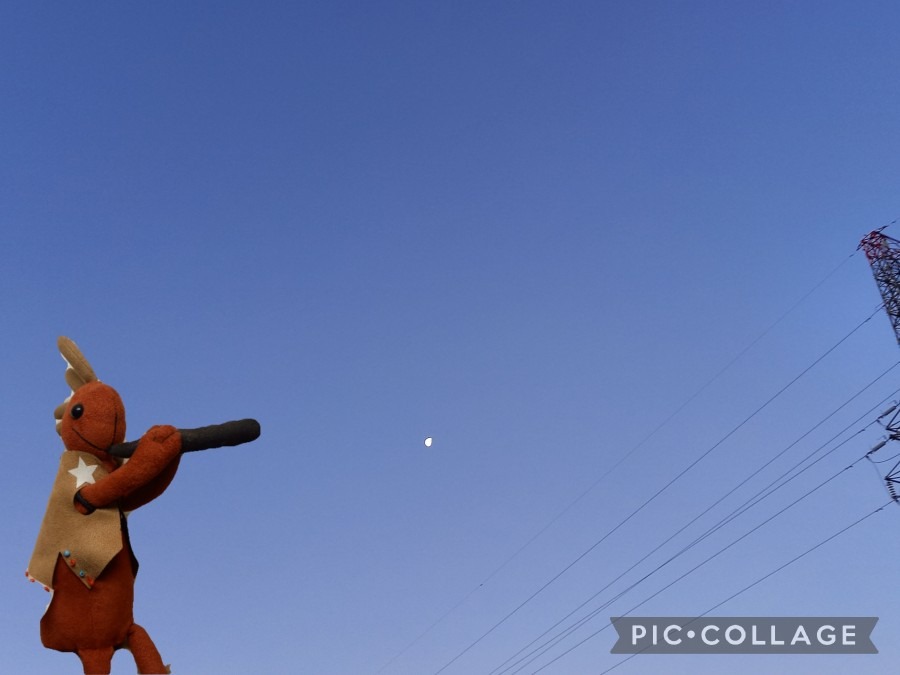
<point>146,657</point>
<point>96,661</point>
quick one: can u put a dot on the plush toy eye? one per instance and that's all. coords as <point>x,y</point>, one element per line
<point>77,411</point>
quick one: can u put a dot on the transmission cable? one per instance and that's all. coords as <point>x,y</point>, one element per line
<point>737,512</point>
<point>770,574</point>
<point>709,558</point>
<point>618,462</point>
<point>658,492</point>
<point>748,504</point>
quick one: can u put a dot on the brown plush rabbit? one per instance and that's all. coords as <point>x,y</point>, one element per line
<point>83,554</point>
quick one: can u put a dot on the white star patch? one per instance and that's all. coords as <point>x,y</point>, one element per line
<point>84,473</point>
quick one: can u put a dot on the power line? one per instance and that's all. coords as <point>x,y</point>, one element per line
<point>880,477</point>
<point>710,558</point>
<point>659,492</point>
<point>748,504</point>
<point>621,460</point>
<point>883,461</point>
<point>773,572</point>
<point>724,521</point>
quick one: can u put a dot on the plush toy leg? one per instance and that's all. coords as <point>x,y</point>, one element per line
<point>96,661</point>
<point>146,656</point>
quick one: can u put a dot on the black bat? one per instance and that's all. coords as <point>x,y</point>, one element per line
<point>203,438</point>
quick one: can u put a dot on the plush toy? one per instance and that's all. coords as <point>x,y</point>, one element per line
<point>83,554</point>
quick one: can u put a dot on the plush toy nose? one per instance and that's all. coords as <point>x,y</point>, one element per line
<point>94,419</point>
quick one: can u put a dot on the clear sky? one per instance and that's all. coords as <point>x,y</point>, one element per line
<point>531,231</point>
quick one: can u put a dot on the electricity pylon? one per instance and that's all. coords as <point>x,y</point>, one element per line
<point>883,254</point>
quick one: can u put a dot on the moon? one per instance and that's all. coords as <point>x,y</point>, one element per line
<point>428,442</point>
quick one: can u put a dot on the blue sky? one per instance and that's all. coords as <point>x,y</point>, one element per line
<point>532,231</point>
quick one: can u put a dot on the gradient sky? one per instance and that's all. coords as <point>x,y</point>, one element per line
<point>532,231</point>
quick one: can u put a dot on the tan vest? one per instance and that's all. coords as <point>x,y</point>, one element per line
<point>86,543</point>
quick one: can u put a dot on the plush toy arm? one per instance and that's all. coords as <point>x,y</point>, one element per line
<point>142,478</point>
<point>151,490</point>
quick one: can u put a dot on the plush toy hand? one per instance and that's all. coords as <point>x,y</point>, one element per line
<point>162,441</point>
<point>82,505</point>
<point>158,449</point>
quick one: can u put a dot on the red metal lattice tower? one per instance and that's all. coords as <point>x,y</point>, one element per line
<point>883,254</point>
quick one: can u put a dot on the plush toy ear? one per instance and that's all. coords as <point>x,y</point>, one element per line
<point>78,373</point>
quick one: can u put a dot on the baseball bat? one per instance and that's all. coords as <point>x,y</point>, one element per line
<point>203,438</point>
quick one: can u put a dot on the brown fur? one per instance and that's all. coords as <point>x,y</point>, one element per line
<point>95,621</point>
